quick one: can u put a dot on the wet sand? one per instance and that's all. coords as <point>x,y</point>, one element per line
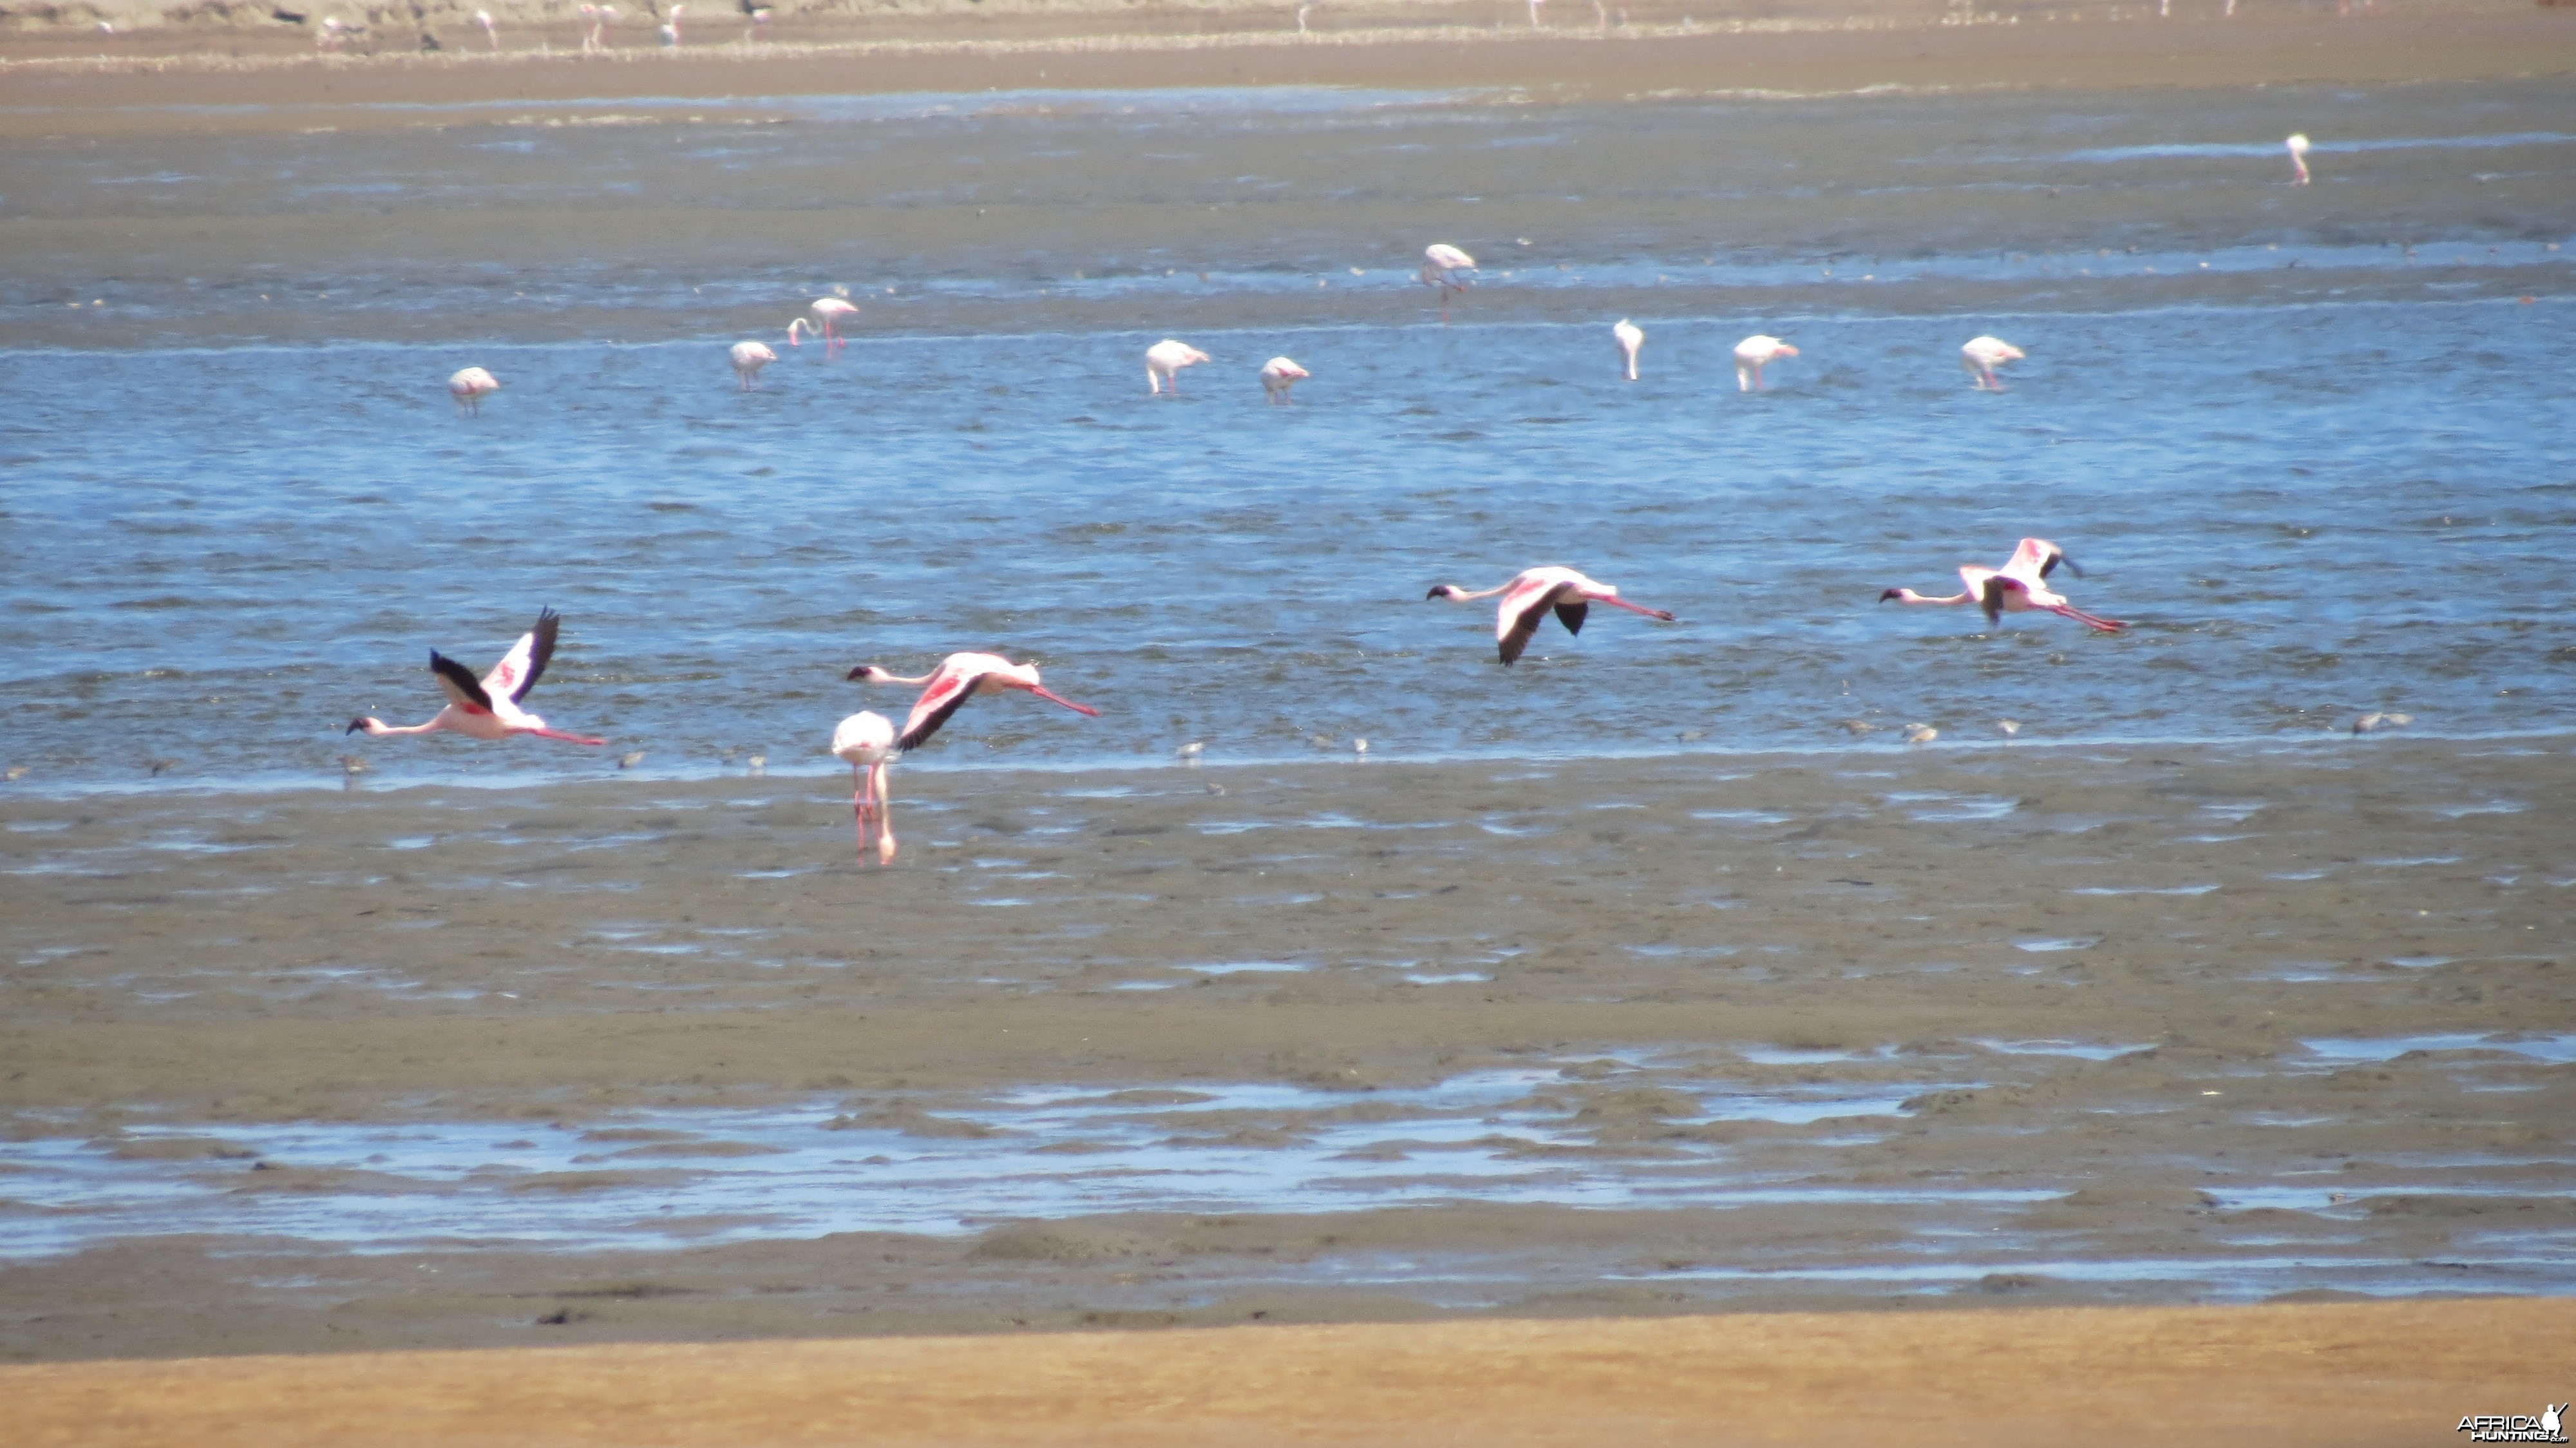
<point>2344,1376</point>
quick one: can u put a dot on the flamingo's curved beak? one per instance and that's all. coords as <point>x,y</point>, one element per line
<point>861,674</point>
<point>1438,590</point>
<point>355,725</point>
<point>1891,593</point>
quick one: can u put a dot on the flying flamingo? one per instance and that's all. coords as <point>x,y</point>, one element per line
<point>748,359</point>
<point>491,30</point>
<point>958,678</point>
<point>468,387</point>
<point>671,27</point>
<point>2017,587</point>
<point>1277,376</point>
<point>1631,337</point>
<point>866,740</point>
<point>490,709</point>
<point>1750,356</point>
<point>2297,146</point>
<point>1982,355</point>
<point>1441,263</point>
<point>1531,593</point>
<point>1164,361</point>
<point>828,312</point>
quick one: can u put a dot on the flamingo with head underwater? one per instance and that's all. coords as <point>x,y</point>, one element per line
<point>2018,587</point>
<point>1531,594</point>
<point>1441,264</point>
<point>826,323</point>
<point>748,359</point>
<point>1630,337</point>
<point>488,708</point>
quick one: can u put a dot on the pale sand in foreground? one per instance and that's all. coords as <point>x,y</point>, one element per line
<point>2342,1374</point>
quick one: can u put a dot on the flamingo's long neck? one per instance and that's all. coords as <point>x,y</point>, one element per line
<point>1907,595</point>
<point>885,678</point>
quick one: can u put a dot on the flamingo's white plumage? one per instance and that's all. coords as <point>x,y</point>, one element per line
<point>1982,355</point>
<point>748,359</point>
<point>1164,361</point>
<point>1753,354</point>
<point>1277,376</point>
<point>1630,337</point>
<point>468,387</point>
<point>866,740</point>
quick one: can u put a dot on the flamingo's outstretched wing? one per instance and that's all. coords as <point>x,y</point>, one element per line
<point>525,663</point>
<point>2037,558</point>
<point>463,690</point>
<point>949,690</point>
<point>1572,615</point>
<point>1523,605</point>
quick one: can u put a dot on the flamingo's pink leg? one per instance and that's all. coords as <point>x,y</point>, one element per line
<point>567,738</point>
<point>1636,608</point>
<point>885,815</point>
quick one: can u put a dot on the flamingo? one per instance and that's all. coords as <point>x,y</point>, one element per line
<point>491,29</point>
<point>2297,146</point>
<point>2017,587</point>
<point>468,387</point>
<point>958,678</point>
<point>759,26</point>
<point>1441,263</point>
<point>1630,337</point>
<point>866,740</point>
<point>1164,361</point>
<point>1982,355</point>
<point>828,312</point>
<point>1750,356</point>
<point>1531,593</point>
<point>671,27</point>
<point>490,709</point>
<point>748,359</point>
<point>1277,376</point>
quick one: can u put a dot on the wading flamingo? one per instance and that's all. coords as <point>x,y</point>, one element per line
<point>489,709</point>
<point>1630,337</point>
<point>1752,354</point>
<point>1164,361</point>
<point>958,678</point>
<point>759,26</point>
<point>468,387</point>
<point>1277,376</point>
<point>748,359</point>
<point>491,30</point>
<point>2017,587</point>
<point>866,740</point>
<point>1982,355</point>
<point>1531,593</point>
<point>2297,146</point>
<point>1441,264</point>
<point>826,323</point>
<point>671,27</point>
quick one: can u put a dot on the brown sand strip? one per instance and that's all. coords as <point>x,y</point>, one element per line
<point>2343,1374</point>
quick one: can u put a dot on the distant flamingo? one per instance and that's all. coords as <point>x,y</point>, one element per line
<point>491,29</point>
<point>1441,263</point>
<point>758,29</point>
<point>489,709</point>
<point>866,740</point>
<point>468,387</point>
<point>1630,337</point>
<point>2297,146</point>
<point>1164,361</point>
<point>671,27</point>
<point>1277,376</point>
<point>958,678</point>
<point>1752,354</point>
<point>2017,587</point>
<point>1982,355</point>
<point>1531,593</point>
<point>748,359</point>
<point>828,312</point>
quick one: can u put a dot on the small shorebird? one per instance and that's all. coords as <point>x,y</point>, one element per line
<point>958,678</point>
<point>1441,264</point>
<point>1750,356</point>
<point>2017,587</point>
<point>489,709</point>
<point>826,323</point>
<point>2297,146</point>
<point>1277,376</point>
<point>1630,337</point>
<point>1531,593</point>
<point>866,740</point>
<point>468,387</point>
<point>748,359</point>
<point>1165,359</point>
<point>1982,355</point>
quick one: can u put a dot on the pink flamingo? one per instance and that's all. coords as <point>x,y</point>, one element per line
<point>489,709</point>
<point>1441,263</point>
<point>828,312</point>
<point>748,359</point>
<point>491,29</point>
<point>2017,587</point>
<point>866,740</point>
<point>1277,376</point>
<point>958,678</point>
<point>1982,355</point>
<point>1630,337</point>
<point>1164,361</point>
<point>2297,146</point>
<point>671,27</point>
<point>1534,591</point>
<point>1750,356</point>
<point>468,387</point>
